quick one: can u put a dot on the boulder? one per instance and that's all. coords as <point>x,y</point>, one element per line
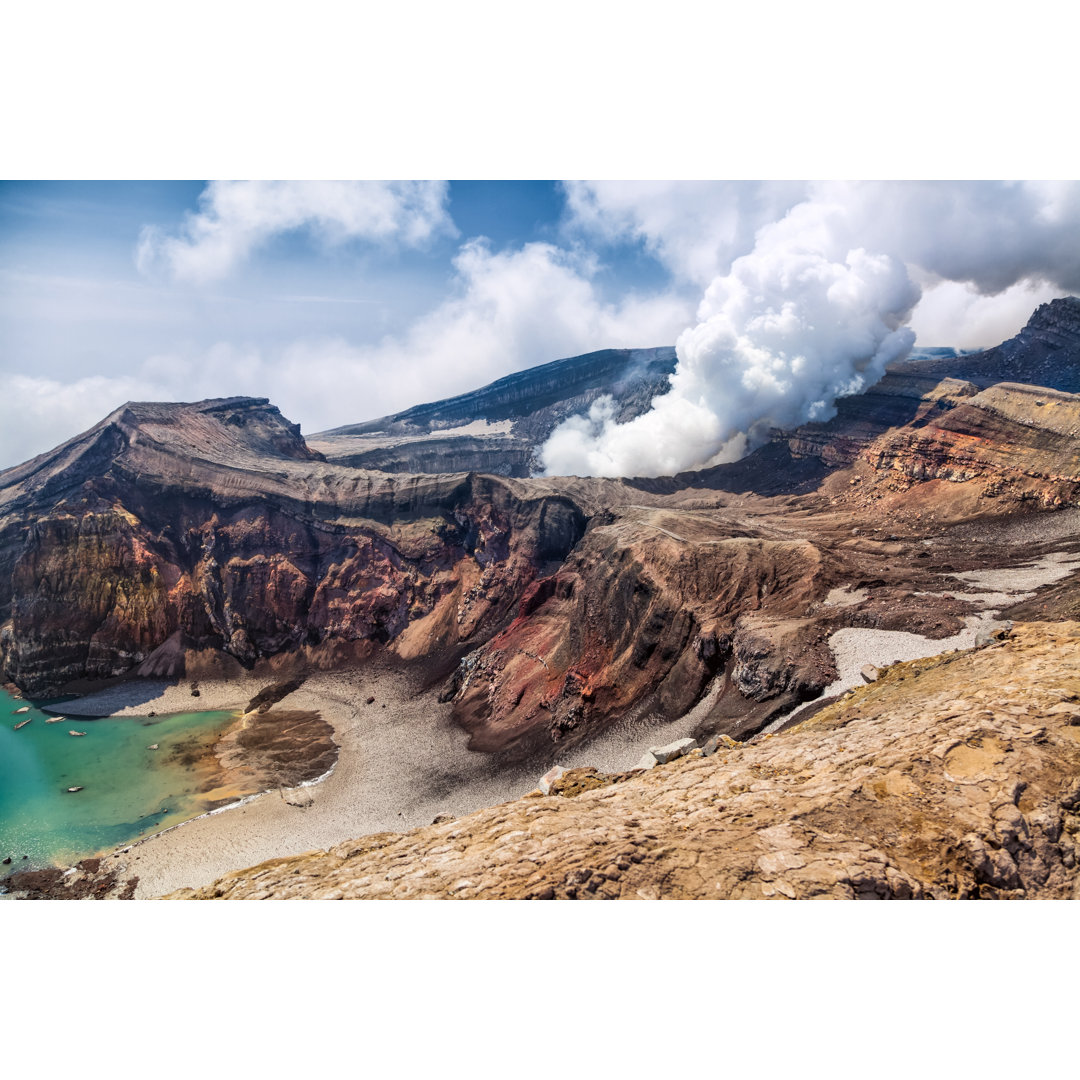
<point>550,777</point>
<point>647,762</point>
<point>298,797</point>
<point>664,754</point>
<point>870,673</point>
<point>989,635</point>
<point>719,742</point>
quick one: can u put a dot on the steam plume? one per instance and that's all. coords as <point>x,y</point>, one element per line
<point>816,310</point>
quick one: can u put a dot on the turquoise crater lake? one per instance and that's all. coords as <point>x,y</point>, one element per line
<point>128,790</point>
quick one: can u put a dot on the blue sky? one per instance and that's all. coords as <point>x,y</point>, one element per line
<point>345,301</point>
<point>75,303</point>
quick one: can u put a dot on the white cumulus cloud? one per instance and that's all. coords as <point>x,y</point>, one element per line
<point>506,311</point>
<point>512,310</point>
<point>237,216</point>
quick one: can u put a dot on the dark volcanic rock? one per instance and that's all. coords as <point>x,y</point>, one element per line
<point>170,538</point>
<point>1045,353</point>
<point>88,881</point>
<point>526,407</point>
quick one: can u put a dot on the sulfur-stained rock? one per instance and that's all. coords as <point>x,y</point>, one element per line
<point>575,781</point>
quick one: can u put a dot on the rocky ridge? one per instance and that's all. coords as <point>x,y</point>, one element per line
<point>1044,353</point>
<point>173,532</point>
<point>500,427</point>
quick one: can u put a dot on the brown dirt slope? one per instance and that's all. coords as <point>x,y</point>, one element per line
<point>955,777</point>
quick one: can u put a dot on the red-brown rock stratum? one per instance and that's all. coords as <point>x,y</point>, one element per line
<point>173,539</point>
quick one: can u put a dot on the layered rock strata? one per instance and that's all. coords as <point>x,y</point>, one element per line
<point>183,538</point>
<point>167,531</point>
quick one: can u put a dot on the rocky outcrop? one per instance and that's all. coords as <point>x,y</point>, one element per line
<point>1020,443</point>
<point>658,601</point>
<point>91,879</point>
<point>955,777</point>
<point>966,420</point>
<point>498,455</point>
<point>1045,353</point>
<point>172,537</point>
<point>641,617</point>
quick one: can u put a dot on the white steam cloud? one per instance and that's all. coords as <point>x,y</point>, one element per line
<point>817,306</point>
<point>237,216</point>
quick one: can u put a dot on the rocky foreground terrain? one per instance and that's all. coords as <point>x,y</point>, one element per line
<point>954,777</point>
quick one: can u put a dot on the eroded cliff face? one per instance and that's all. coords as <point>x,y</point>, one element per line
<point>640,617</point>
<point>684,581</point>
<point>1014,443</point>
<point>170,530</point>
<point>956,777</point>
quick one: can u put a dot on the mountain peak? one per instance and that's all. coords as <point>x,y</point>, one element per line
<point>1046,352</point>
<point>140,435</point>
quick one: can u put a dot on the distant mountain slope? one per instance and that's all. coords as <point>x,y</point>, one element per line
<point>498,428</point>
<point>1045,353</point>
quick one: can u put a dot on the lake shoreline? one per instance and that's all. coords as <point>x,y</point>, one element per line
<point>401,762</point>
<point>64,799</point>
